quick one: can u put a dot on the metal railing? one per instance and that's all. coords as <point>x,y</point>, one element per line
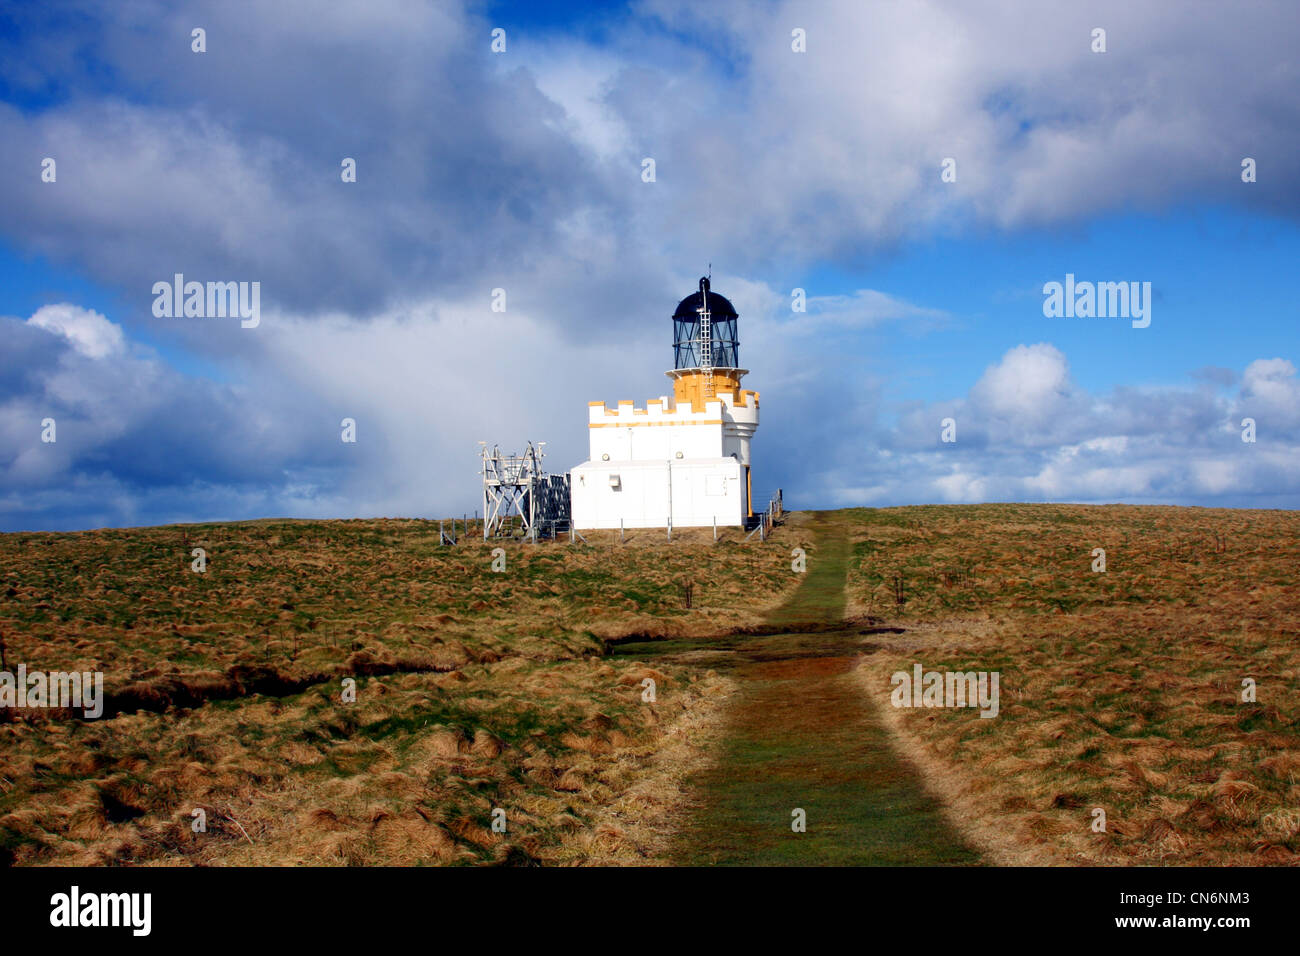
<point>770,517</point>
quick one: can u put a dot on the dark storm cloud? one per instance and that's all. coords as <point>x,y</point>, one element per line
<point>129,430</point>
<point>226,164</point>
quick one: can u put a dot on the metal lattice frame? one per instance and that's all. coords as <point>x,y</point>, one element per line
<point>517,486</point>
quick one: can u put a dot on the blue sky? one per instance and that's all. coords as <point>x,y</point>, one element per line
<point>522,170</point>
<point>1224,294</point>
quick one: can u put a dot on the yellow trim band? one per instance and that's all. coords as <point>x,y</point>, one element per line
<point>711,421</point>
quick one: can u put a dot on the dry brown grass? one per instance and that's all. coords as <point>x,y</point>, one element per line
<point>637,827</point>
<point>305,595</point>
<point>1119,690</point>
<point>475,691</point>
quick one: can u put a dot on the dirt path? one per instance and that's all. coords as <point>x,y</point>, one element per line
<point>800,737</point>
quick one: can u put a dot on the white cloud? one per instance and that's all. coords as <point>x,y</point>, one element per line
<point>1027,432</point>
<point>1029,384</point>
<point>961,486</point>
<point>90,333</point>
<point>1270,393</point>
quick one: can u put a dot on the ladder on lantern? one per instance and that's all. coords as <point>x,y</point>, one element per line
<point>706,344</point>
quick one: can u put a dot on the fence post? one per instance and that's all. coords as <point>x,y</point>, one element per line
<point>715,529</point>
<point>620,530</point>
<point>441,537</point>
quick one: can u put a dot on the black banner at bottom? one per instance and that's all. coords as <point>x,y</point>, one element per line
<point>305,905</point>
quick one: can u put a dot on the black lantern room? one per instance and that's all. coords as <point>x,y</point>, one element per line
<point>722,324</point>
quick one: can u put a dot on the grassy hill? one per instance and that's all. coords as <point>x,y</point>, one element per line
<point>477,690</point>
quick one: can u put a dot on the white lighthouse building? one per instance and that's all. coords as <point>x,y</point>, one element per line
<point>682,460</point>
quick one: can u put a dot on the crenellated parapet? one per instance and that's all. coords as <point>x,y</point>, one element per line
<point>740,408</point>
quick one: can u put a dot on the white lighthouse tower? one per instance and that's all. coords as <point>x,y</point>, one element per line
<point>682,460</point>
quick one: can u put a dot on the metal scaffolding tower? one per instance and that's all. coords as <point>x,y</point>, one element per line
<point>517,486</point>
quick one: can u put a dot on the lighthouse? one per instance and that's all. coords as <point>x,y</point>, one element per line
<point>684,459</point>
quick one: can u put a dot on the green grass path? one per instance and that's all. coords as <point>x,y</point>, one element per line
<point>800,736</point>
<point>820,597</point>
